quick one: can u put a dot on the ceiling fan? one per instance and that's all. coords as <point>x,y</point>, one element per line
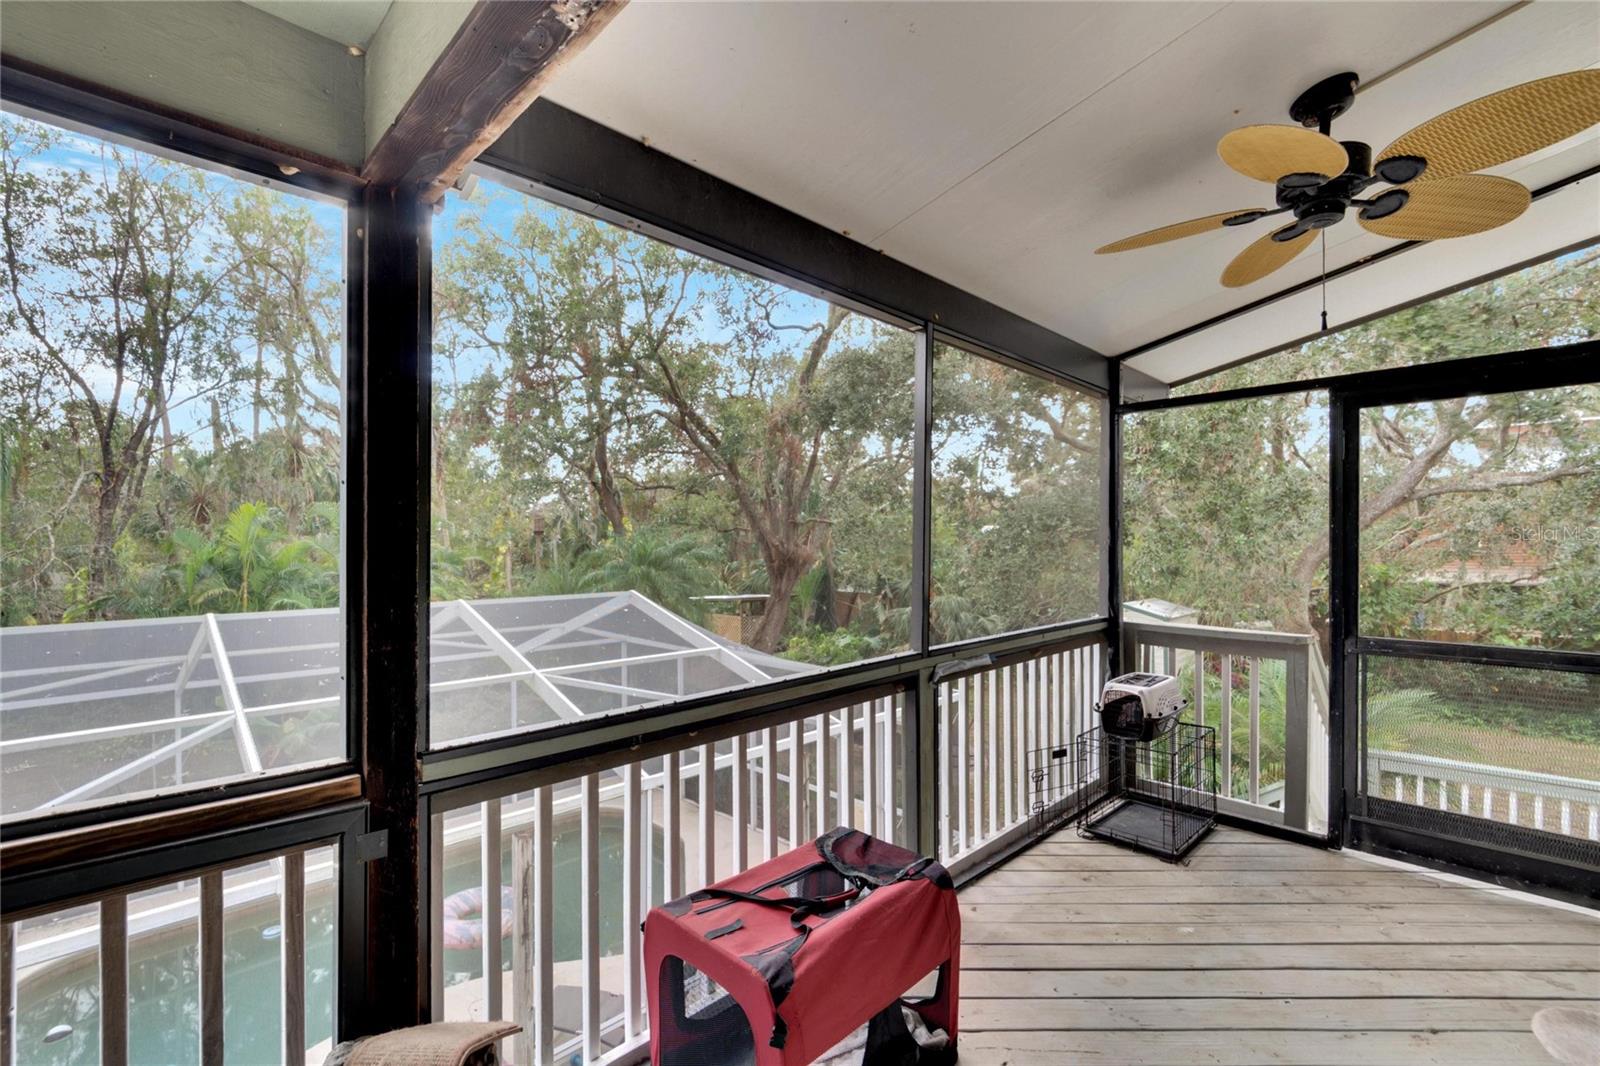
<point>1434,191</point>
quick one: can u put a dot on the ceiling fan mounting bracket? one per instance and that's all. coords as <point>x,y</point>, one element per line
<point>1325,101</point>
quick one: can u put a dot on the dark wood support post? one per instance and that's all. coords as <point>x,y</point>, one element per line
<point>1111,496</point>
<point>389,506</point>
<point>1344,539</point>
<point>921,750</point>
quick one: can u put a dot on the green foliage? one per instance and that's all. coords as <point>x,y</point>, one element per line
<point>251,565</point>
<point>668,569</point>
<point>829,647</point>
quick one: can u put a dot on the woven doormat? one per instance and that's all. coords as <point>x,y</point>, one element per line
<point>439,1044</point>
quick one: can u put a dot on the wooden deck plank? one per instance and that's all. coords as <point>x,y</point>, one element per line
<point>981,930</point>
<point>1479,908</point>
<point>1327,877</point>
<point>1250,1048</point>
<point>1280,957</point>
<point>1257,950</point>
<point>1194,1015</point>
<point>1039,985</point>
<point>1426,894</point>
<point>1115,859</point>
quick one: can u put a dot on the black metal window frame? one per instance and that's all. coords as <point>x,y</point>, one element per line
<point>383,960</point>
<point>1348,394</point>
<point>1512,372</point>
<point>32,96</point>
<point>517,754</point>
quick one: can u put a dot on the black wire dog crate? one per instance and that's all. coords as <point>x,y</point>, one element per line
<point>1157,795</point>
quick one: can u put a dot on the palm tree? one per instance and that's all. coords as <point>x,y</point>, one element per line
<point>669,569</point>
<point>250,565</point>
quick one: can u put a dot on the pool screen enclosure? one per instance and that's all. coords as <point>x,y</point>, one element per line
<point>91,712</point>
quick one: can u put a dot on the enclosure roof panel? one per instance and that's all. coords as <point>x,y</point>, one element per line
<point>95,710</point>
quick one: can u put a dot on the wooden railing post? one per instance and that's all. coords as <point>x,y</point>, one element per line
<point>1296,730</point>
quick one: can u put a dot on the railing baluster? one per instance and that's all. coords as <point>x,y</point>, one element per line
<point>541,928</point>
<point>1255,730</point>
<point>1513,798</point>
<point>708,814</point>
<point>211,965</point>
<point>1566,817</point>
<point>824,769</point>
<point>1538,811</point>
<point>769,796</point>
<point>489,866</point>
<point>1488,802</point>
<point>8,994</point>
<point>963,768</point>
<point>114,983</point>
<point>944,702</point>
<point>292,939</point>
<point>1199,687</point>
<point>992,778</point>
<point>1466,799</point>
<point>1052,688</point>
<point>1033,760</point>
<point>523,964</point>
<point>741,802</point>
<point>589,912</point>
<point>1419,800</point>
<point>797,781</point>
<point>890,792</point>
<point>1226,725</point>
<point>869,767</point>
<point>632,913</point>
<point>435,874</point>
<point>978,750</point>
<point>847,807</point>
<point>1009,756</point>
<point>1594,821</point>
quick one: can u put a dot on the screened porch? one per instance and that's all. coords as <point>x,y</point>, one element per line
<point>476,472</point>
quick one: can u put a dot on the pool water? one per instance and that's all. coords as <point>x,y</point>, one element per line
<point>163,991</point>
<point>163,969</point>
<point>566,876</point>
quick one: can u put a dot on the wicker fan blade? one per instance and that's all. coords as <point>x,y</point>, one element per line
<point>1263,257</point>
<point>1173,232</point>
<point>1453,207</point>
<point>1267,153</point>
<point>1503,126</point>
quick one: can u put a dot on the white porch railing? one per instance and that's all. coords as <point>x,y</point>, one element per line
<point>1566,805</point>
<point>1269,705</point>
<point>43,959</point>
<point>993,726</point>
<point>638,834</point>
<point>568,869</point>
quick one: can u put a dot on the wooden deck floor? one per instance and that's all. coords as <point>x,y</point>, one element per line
<point>1258,951</point>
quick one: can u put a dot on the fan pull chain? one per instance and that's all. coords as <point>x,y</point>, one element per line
<point>1324,281</point>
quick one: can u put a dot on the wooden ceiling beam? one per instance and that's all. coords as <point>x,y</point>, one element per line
<point>498,62</point>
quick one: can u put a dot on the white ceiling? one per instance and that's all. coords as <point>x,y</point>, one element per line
<point>995,145</point>
<point>345,21</point>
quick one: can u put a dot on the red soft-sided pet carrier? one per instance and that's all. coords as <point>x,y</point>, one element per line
<point>780,964</point>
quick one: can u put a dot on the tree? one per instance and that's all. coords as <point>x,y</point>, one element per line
<point>671,570</point>
<point>1226,504</point>
<point>251,565</point>
<point>111,284</point>
<point>669,388</point>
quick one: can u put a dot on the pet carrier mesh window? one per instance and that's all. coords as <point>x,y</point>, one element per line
<point>700,1021</point>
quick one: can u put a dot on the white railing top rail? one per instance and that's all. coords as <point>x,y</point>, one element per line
<point>1188,635</point>
<point>1552,786</point>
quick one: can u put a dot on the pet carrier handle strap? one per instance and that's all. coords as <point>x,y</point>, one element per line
<point>802,906</point>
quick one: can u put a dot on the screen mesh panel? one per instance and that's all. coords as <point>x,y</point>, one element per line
<point>1507,756</point>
